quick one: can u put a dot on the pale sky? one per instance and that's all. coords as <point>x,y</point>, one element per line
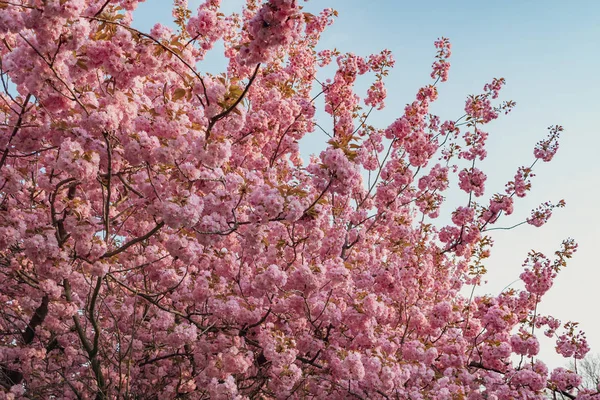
<point>548,51</point>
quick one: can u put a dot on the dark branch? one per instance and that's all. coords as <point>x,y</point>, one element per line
<point>127,245</point>
<point>223,114</point>
<point>36,320</point>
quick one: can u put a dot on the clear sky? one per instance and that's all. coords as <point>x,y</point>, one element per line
<point>549,53</point>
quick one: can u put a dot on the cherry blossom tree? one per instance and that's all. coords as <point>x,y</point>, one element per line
<point>161,237</point>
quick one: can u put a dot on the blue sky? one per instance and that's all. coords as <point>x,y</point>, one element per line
<point>548,51</point>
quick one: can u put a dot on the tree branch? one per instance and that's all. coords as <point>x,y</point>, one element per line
<point>223,114</point>
<point>127,245</point>
<point>15,130</point>
<point>36,320</point>
<point>168,49</point>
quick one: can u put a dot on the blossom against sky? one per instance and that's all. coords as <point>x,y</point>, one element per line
<point>548,53</point>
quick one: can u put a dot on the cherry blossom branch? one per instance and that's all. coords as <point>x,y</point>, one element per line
<point>14,377</point>
<point>15,129</point>
<point>9,3</point>
<point>225,113</point>
<point>311,361</point>
<point>128,186</point>
<point>33,153</point>
<point>148,298</point>
<point>93,317</point>
<point>552,138</point>
<point>364,120</point>
<point>102,8</point>
<point>562,392</point>
<point>159,43</point>
<point>127,245</point>
<point>479,365</point>
<point>108,189</point>
<point>504,228</point>
<point>274,156</point>
<point>61,80</point>
<point>95,362</point>
<point>61,234</point>
<point>37,319</point>
<point>91,350</point>
<point>318,197</point>
<point>9,377</point>
<point>163,357</point>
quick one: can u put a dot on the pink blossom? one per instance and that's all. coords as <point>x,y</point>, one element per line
<point>162,236</point>
<point>472,180</point>
<point>565,380</point>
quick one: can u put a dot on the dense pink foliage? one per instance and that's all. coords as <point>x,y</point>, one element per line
<point>160,236</point>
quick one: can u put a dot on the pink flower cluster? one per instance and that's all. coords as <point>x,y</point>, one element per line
<point>472,180</point>
<point>542,214</point>
<point>376,95</point>
<point>552,323</point>
<point>336,172</point>
<point>480,108</point>
<point>494,87</point>
<point>564,379</point>
<point>572,343</point>
<point>521,184</point>
<point>162,236</point>
<point>475,143</point>
<point>546,149</point>
<point>442,66</point>
<point>206,25</point>
<point>499,203</point>
<point>276,24</point>
<point>76,161</point>
<point>525,343</point>
<point>539,279</point>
